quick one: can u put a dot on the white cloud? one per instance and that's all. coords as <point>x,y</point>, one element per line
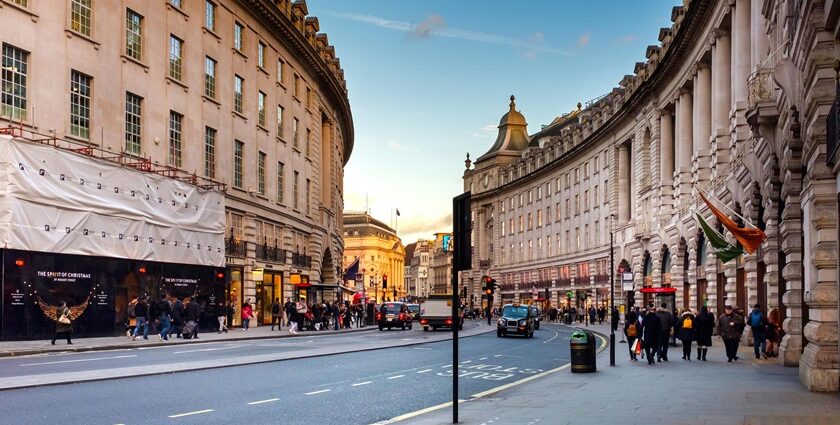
<point>398,147</point>
<point>485,131</point>
<point>436,27</point>
<point>583,40</point>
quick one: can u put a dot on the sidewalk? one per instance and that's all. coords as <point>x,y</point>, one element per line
<point>715,392</point>
<point>22,348</point>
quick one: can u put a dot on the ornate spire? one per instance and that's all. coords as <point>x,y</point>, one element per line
<point>467,162</point>
<point>512,103</point>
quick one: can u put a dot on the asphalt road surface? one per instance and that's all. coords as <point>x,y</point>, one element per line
<point>350,388</point>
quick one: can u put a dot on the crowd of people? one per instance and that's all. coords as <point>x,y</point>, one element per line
<point>574,314</point>
<point>318,316</point>
<point>648,332</point>
<point>167,315</point>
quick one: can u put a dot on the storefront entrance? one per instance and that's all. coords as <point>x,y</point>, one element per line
<point>268,289</point>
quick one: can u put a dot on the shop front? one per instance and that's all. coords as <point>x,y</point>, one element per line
<point>269,287</point>
<point>301,288</point>
<point>98,290</point>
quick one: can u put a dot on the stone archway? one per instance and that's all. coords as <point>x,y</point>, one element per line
<point>328,270</point>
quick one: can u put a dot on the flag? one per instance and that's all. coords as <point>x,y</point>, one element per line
<point>724,250</point>
<point>398,212</point>
<point>749,237</point>
<point>352,270</point>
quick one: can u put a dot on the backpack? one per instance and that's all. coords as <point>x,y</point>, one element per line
<point>688,323</point>
<point>131,314</point>
<point>631,330</point>
<point>755,319</point>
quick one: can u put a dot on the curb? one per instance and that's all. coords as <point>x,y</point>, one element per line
<point>176,342</point>
<point>218,366</point>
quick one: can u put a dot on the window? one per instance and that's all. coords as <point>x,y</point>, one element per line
<point>530,196</point>
<point>80,16</point>
<point>281,181</point>
<point>133,34</point>
<point>530,221</point>
<point>261,174</point>
<point>597,231</point>
<point>261,54</point>
<point>595,164</point>
<point>548,244</point>
<point>539,192</point>
<point>577,239</point>
<point>261,109</point>
<point>295,191</point>
<point>521,224</point>
<point>175,57</point>
<point>577,175</point>
<point>559,211</point>
<point>280,114</point>
<point>308,141</point>
<point>568,211</point>
<point>510,226</point>
<point>133,122</point>
<point>586,170</point>
<point>237,36</point>
<point>586,200</point>
<point>209,153</point>
<point>586,237</point>
<point>22,3</point>
<point>176,3</point>
<point>521,197</point>
<point>80,104</point>
<point>606,192</point>
<point>568,243</point>
<point>295,133</point>
<point>296,88</point>
<point>15,74</point>
<point>595,195</point>
<point>280,74</point>
<point>238,147</point>
<point>308,97</point>
<point>577,204</point>
<point>308,197</point>
<point>503,228</point>
<point>238,82</point>
<point>210,15</point>
<point>511,204</point>
<point>209,77</point>
<point>548,189</point>
<point>539,218</point>
<point>176,122</point>
<point>557,184</point>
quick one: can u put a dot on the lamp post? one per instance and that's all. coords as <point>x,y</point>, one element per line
<point>612,292</point>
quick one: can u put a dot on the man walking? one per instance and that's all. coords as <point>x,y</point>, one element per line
<point>651,330</point>
<point>728,331</point>
<point>758,325</point>
<point>164,309</point>
<point>177,317</point>
<point>221,316</point>
<point>289,309</point>
<point>193,314</point>
<point>665,334</point>
<point>141,313</point>
<point>276,314</point>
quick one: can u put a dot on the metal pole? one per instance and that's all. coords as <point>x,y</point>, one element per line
<point>455,321</point>
<point>612,299</point>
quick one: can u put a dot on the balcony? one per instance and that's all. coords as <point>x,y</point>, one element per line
<point>271,253</point>
<point>761,97</point>
<point>484,264</point>
<point>300,260</point>
<point>235,247</point>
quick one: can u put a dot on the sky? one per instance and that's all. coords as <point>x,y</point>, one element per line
<point>428,82</point>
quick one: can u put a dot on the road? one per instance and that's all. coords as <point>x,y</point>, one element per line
<point>351,388</point>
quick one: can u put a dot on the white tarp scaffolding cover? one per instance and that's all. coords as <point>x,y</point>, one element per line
<point>53,200</point>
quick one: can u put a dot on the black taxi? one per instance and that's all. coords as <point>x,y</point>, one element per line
<point>517,319</point>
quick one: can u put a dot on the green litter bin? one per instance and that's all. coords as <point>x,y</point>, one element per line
<point>582,347</point>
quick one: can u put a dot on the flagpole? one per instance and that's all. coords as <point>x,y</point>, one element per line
<point>725,206</point>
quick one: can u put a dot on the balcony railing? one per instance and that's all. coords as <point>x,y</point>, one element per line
<point>271,253</point>
<point>300,260</point>
<point>761,87</point>
<point>235,247</point>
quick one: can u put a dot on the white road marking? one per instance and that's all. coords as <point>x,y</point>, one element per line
<point>505,355</point>
<point>78,360</point>
<point>417,413</point>
<point>395,377</point>
<point>317,392</point>
<point>483,358</point>
<point>361,383</point>
<point>556,334</point>
<point>444,367</point>
<point>263,401</point>
<point>424,371</point>
<point>422,348</point>
<point>406,339</point>
<point>204,349</point>
<point>197,412</point>
<point>466,361</point>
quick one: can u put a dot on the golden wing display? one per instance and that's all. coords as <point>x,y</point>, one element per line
<point>50,311</point>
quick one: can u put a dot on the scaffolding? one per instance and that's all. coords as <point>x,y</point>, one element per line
<point>121,158</point>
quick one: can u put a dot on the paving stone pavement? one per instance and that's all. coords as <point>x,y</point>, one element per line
<point>715,392</point>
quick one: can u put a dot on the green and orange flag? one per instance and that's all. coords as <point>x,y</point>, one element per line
<point>749,237</point>
<point>724,250</point>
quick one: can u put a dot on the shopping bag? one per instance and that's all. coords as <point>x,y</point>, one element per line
<point>638,349</point>
<point>634,346</point>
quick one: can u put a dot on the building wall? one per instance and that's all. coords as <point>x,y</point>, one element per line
<point>380,252</point>
<point>312,229</point>
<point>732,102</point>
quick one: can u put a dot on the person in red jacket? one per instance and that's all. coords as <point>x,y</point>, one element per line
<point>247,314</point>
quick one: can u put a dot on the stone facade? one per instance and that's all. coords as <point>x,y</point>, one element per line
<point>418,265</point>
<point>732,102</point>
<point>381,256</point>
<point>247,93</point>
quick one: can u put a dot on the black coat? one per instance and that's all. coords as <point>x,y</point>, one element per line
<point>683,333</point>
<point>193,311</point>
<point>704,323</point>
<point>651,326</point>
<point>178,312</point>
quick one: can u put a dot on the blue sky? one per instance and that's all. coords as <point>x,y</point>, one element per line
<point>428,82</point>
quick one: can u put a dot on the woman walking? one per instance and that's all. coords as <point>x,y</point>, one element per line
<point>63,324</point>
<point>631,331</point>
<point>686,332</point>
<point>247,314</point>
<point>705,324</point>
<point>773,336</point>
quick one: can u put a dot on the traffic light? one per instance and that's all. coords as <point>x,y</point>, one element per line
<point>489,285</point>
<point>384,281</point>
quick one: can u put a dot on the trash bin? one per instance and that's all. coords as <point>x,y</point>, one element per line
<point>582,345</point>
<point>567,319</point>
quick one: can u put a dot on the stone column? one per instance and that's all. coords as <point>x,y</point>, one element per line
<point>721,96</point>
<point>758,35</point>
<point>702,124</point>
<point>666,157</point>
<point>741,50</point>
<point>791,243</point>
<point>481,235</point>
<point>685,142</point>
<point>624,183</point>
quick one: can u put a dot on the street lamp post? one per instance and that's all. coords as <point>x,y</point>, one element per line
<point>612,293</point>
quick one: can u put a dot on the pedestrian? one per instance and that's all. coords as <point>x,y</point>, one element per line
<point>651,331</point>
<point>230,310</point>
<point>63,323</point>
<point>193,314</point>
<point>758,325</point>
<point>177,317</point>
<point>348,315</point>
<point>631,332</point>
<point>141,314</point>
<point>727,327</point>
<point>592,314</point>
<point>772,334</point>
<point>667,322</point>
<point>164,309</point>
<point>276,315</point>
<point>705,325</point>
<point>247,314</point>
<point>132,316</point>
<point>602,313</point>
<point>687,333</point>
<point>317,316</point>
<point>614,319</point>
<point>288,309</point>
<point>221,316</point>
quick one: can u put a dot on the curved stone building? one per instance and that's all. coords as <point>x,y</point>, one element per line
<point>381,256</point>
<point>734,101</point>
<point>248,93</point>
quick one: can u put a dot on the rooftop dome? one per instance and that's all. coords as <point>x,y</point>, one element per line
<point>513,135</point>
<point>513,116</point>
